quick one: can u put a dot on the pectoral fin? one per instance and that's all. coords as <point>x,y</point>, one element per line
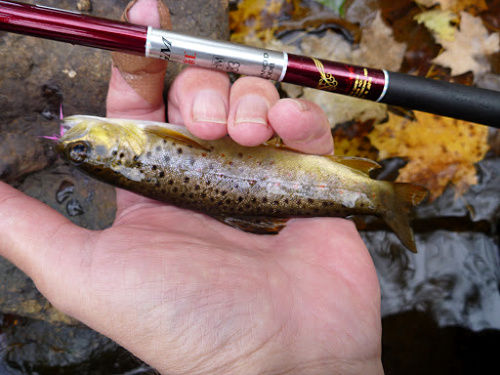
<point>166,133</point>
<point>258,225</point>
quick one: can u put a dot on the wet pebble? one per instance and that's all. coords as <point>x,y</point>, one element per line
<point>74,208</point>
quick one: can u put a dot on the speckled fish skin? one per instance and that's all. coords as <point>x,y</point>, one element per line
<point>235,184</point>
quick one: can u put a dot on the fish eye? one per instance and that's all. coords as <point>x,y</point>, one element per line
<point>77,152</point>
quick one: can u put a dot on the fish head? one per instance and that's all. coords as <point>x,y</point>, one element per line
<point>99,141</point>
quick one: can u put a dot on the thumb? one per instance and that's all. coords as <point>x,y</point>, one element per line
<point>136,84</point>
<point>36,238</point>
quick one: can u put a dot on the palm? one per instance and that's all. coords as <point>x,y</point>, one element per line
<point>229,288</point>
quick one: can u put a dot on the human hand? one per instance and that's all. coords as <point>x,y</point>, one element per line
<point>189,295</point>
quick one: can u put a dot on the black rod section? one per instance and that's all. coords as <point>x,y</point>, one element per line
<point>443,98</point>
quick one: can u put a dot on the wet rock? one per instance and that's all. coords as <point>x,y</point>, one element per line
<point>454,277</point>
<point>37,347</point>
<point>480,202</point>
<point>21,154</point>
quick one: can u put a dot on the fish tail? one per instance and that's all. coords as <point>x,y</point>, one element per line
<point>397,217</point>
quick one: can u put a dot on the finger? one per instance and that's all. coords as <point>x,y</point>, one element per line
<point>37,239</point>
<point>302,125</point>
<point>199,99</point>
<point>250,100</point>
<point>136,83</point>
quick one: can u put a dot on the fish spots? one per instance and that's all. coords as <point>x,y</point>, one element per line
<point>148,154</point>
<point>154,167</point>
<point>170,182</point>
<point>179,150</point>
<point>166,158</point>
<point>186,180</point>
<point>161,174</point>
<point>158,148</point>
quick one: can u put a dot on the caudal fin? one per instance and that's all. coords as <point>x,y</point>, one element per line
<point>406,197</point>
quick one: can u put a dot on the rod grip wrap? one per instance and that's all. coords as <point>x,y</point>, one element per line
<point>442,98</point>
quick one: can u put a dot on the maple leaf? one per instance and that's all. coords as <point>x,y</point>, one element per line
<point>469,50</point>
<point>440,150</point>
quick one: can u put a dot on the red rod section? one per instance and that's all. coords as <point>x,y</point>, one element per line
<point>360,82</point>
<point>72,27</point>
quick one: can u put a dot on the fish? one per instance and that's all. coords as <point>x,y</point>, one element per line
<point>255,189</point>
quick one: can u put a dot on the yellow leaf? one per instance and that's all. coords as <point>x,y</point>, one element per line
<point>440,150</point>
<point>255,18</point>
<point>352,140</point>
<point>439,22</point>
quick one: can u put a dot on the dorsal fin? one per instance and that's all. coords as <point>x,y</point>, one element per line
<point>359,164</point>
<point>167,133</point>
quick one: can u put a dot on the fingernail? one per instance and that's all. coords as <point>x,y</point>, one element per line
<point>160,18</point>
<point>208,106</point>
<point>299,104</point>
<point>252,109</point>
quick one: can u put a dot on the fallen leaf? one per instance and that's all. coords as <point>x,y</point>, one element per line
<point>351,139</point>
<point>457,6</point>
<point>439,22</point>
<point>470,49</point>
<point>440,150</point>
<point>377,49</point>
<point>255,18</point>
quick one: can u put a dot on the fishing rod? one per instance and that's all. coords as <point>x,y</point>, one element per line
<point>423,94</point>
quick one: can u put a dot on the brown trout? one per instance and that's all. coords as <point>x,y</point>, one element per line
<point>252,188</point>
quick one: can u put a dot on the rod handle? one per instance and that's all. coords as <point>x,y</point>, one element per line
<point>443,98</point>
